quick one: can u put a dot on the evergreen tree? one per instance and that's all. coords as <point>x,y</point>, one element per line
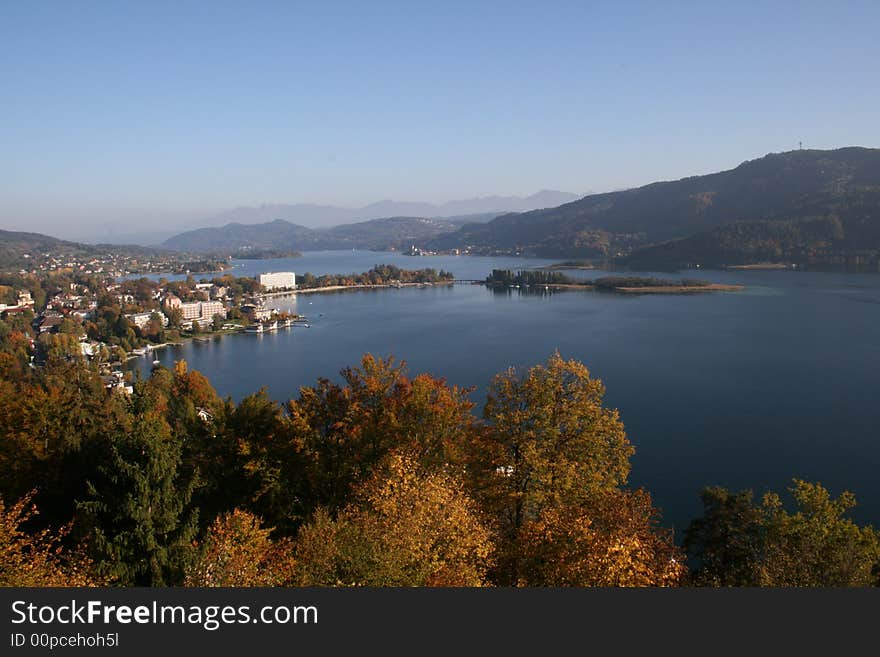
<point>138,507</point>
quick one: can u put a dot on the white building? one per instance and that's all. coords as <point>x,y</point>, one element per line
<point>278,280</point>
<point>142,319</point>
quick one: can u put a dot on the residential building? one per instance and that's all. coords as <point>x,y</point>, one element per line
<point>211,308</point>
<point>142,319</point>
<point>50,323</point>
<point>202,311</point>
<point>25,299</point>
<point>256,313</point>
<point>191,310</point>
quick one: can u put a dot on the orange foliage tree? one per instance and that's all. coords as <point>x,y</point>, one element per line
<point>238,551</point>
<point>550,443</point>
<point>614,540</point>
<point>346,430</point>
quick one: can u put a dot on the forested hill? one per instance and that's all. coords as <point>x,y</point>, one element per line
<point>10,239</point>
<point>836,230</point>
<point>791,186</point>
<point>376,234</point>
<point>233,236</point>
<point>18,248</point>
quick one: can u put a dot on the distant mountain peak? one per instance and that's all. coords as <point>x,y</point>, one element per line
<point>324,216</point>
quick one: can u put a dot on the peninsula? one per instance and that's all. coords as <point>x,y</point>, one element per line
<point>614,284</point>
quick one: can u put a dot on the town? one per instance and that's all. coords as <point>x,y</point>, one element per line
<point>101,319</point>
<point>30,253</point>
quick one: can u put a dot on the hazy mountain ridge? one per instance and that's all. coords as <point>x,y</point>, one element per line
<point>784,186</point>
<point>376,234</point>
<point>324,216</point>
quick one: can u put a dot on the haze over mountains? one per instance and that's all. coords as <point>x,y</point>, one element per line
<point>806,206</point>
<point>376,234</point>
<point>325,216</point>
<point>386,224</point>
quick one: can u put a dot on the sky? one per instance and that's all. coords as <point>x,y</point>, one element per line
<point>120,116</point>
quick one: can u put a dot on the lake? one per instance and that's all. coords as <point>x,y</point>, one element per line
<point>743,390</point>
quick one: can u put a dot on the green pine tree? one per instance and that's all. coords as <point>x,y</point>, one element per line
<point>139,512</point>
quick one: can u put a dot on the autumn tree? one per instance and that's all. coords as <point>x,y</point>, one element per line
<point>613,540</point>
<point>153,328</point>
<point>53,415</point>
<point>435,423</point>
<point>406,527</point>
<point>345,430</point>
<point>238,551</point>
<point>36,558</point>
<point>550,443</point>
<point>175,317</point>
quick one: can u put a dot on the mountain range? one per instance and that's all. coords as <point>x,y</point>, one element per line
<point>800,206</point>
<point>815,207</point>
<point>376,234</point>
<point>324,216</point>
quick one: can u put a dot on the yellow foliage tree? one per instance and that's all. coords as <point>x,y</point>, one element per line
<point>408,527</point>
<point>614,540</point>
<point>36,559</point>
<point>238,551</point>
<point>549,443</point>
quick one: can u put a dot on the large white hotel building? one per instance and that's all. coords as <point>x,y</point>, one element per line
<point>278,279</point>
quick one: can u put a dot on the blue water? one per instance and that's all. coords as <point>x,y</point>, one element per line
<point>743,390</point>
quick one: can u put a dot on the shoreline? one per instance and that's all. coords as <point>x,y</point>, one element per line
<point>338,288</point>
<point>204,337</point>
<point>681,289</point>
<point>647,289</point>
<point>560,266</point>
<point>761,265</point>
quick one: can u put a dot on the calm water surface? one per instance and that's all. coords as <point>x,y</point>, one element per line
<point>744,390</point>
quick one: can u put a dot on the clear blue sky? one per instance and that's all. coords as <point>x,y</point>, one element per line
<point>130,112</point>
